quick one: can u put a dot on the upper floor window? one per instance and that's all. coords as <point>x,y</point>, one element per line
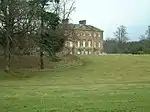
<point>90,34</point>
<point>95,34</point>
<point>83,33</point>
<point>66,43</point>
<point>71,44</point>
<point>99,35</point>
<point>78,34</point>
<point>66,33</point>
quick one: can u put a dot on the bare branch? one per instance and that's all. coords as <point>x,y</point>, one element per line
<point>71,9</point>
<point>66,7</point>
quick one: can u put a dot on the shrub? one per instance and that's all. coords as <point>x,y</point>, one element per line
<point>140,52</point>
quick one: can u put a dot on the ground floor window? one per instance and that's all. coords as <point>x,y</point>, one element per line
<point>78,52</point>
<point>100,53</point>
<point>86,52</point>
<point>94,44</point>
<point>82,52</point>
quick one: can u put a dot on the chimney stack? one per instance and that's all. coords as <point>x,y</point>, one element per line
<point>82,22</point>
<point>65,21</point>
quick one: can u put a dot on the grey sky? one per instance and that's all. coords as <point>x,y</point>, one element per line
<point>108,14</point>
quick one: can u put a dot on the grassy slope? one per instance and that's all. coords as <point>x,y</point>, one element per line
<point>104,84</point>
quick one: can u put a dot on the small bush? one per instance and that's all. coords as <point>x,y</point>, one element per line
<point>140,52</point>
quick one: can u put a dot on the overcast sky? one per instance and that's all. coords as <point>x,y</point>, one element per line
<point>108,14</point>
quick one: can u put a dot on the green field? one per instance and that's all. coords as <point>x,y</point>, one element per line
<point>110,83</point>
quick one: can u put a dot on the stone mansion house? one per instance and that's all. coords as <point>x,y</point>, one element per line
<point>83,38</point>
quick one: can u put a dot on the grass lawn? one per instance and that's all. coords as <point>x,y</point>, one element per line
<point>110,83</point>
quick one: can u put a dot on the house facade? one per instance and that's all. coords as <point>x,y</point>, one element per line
<point>84,39</point>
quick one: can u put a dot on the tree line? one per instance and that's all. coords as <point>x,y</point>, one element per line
<point>33,26</point>
<point>120,43</point>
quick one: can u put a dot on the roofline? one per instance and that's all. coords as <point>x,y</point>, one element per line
<point>98,30</point>
<point>90,28</point>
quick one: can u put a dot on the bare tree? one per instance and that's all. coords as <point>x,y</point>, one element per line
<point>121,37</point>
<point>148,33</point>
<point>121,34</point>
<point>146,36</point>
<point>11,18</point>
<point>16,24</point>
<point>73,38</point>
<point>65,8</point>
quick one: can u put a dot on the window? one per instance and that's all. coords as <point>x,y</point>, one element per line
<point>86,52</point>
<point>94,44</point>
<point>71,44</point>
<point>89,43</point>
<point>90,34</point>
<point>84,43</point>
<point>66,33</point>
<point>83,33</point>
<point>94,34</point>
<point>66,43</point>
<point>82,52</point>
<point>78,43</point>
<point>99,35</point>
<point>99,45</point>
<point>78,52</point>
<point>78,34</point>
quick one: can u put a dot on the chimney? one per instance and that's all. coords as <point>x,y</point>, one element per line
<point>65,21</point>
<point>82,22</point>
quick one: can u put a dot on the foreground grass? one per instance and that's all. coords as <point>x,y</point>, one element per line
<point>104,84</point>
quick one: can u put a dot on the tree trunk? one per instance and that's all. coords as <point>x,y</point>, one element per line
<point>7,52</point>
<point>8,59</point>
<point>41,60</point>
<point>8,36</point>
<point>73,49</point>
<point>41,47</point>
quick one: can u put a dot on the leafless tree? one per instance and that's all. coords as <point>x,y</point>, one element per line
<point>121,34</point>
<point>10,12</point>
<point>65,8</point>
<point>146,36</point>
<point>15,21</point>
